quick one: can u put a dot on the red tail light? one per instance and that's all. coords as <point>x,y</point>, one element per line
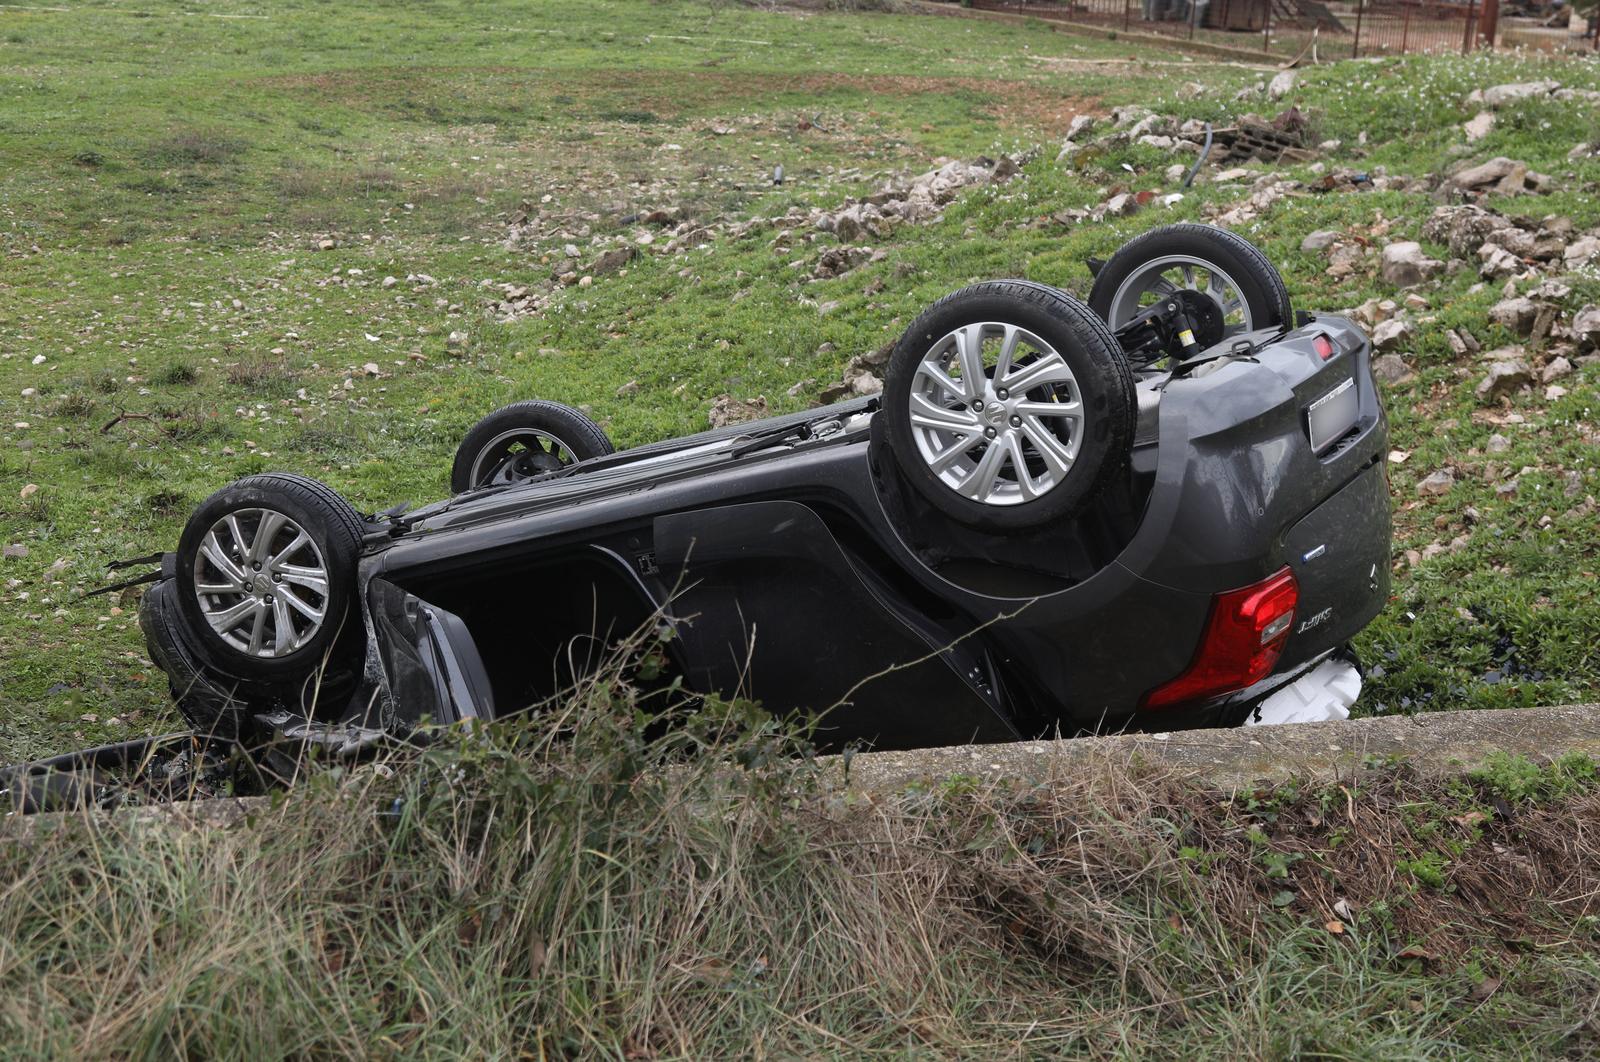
<point>1244,638</point>
<point>1324,346</point>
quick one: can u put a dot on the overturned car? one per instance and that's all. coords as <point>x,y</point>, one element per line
<point>1166,508</point>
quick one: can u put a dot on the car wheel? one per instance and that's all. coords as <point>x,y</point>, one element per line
<point>1008,405</point>
<point>523,440</point>
<point>1243,285</point>
<point>205,706</point>
<point>266,570</point>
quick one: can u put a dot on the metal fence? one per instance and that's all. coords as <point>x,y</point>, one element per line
<point>1334,30</point>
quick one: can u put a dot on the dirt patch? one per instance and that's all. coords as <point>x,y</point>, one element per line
<point>655,95</point>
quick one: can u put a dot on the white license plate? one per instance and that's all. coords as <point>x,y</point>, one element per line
<point>1330,417</point>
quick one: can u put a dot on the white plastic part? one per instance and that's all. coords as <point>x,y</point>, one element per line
<point>1325,692</point>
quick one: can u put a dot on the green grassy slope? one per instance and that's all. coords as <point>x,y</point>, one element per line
<point>170,177</point>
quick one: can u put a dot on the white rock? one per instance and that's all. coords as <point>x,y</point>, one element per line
<point>1479,127</point>
<point>1505,377</point>
<point>1403,264</point>
<point>1437,483</point>
<point>1282,84</point>
<point>1317,241</point>
<point>1500,95</point>
<point>1580,251</point>
<point>1393,334</point>
<point>1586,325</point>
<point>1516,314</point>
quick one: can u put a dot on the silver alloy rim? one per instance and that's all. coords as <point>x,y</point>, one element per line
<point>1168,274</point>
<point>996,413</point>
<point>261,582</point>
<point>497,462</point>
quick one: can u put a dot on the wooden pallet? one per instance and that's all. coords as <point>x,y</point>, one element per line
<point>1260,140</point>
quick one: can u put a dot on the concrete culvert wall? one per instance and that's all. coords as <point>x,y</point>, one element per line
<point>1439,743</point>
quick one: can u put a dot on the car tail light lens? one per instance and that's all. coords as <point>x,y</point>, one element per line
<point>1244,637</point>
<point>1323,346</point>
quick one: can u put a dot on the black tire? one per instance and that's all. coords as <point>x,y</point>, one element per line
<point>206,706</point>
<point>481,458</point>
<point>1259,282</point>
<point>1100,374</point>
<point>335,530</point>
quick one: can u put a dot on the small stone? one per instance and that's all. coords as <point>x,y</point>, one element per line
<point>629,388</point>
<point>1581,251</point>
<point>1391,369</point>
<point>585,281</point>
<point>613,260</point>
<point>1121,204</point>
<point>28,490</point>
<point>1516,314</point>
<point>1080,124</point>
<point>1403,264</point>
<point>1479,127</point>
<point>29,392</point>
<point>1557,368</point>
<point>1586,324</point>
<point>456,340</point>
<point>371,368</point>
<point>1497,444</point>
<point>1500,95</point>
<point>1317,241</point>
<point>1393,334</point>
<point>1505,378</point>
<point>1553,392</point>
<point>326,244</point>
<point>866,384</point>
<point>390,282</point>
<point>1282,84</point>
<point>38,359</point>
<point>1437,483</point>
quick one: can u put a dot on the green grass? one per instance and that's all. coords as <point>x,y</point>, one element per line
<point>169,178</point>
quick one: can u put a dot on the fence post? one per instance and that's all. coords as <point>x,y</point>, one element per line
<point>1405,31</point>
<point>1469,27</point>
<point>1355,48</point>
<point>1266,28</point>
<point>1127,9</point>
<point>1489,22</point>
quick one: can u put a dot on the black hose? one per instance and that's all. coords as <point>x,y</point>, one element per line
<point>1201,161</point>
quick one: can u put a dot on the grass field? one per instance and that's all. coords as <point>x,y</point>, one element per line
<point>168,321</point>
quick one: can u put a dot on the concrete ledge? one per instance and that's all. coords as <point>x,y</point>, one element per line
<point>1435,743</point>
